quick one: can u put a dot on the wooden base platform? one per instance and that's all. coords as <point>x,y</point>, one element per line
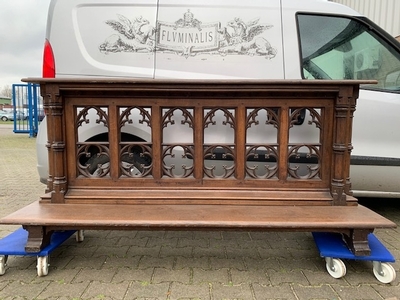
<point>41,219</point>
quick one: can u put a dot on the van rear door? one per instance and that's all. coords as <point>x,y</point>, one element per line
<point>219,39</point>
<point>104,38</point>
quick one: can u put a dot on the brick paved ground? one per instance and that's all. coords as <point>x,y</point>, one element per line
<point>176,265</point>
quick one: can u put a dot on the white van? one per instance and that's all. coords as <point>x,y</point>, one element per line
<point>229,39</point>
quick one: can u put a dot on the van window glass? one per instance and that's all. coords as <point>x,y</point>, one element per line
<point>344,48</point>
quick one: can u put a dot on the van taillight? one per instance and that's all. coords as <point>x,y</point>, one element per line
<point>49,67</point>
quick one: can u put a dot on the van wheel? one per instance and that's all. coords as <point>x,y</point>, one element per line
<point>135,159</point>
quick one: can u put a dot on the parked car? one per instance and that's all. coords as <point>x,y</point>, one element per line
<point>227,39</point>
<point>10,115</point>
<point>19,115</point>
<point>6,115</point>
<point>39,114</point>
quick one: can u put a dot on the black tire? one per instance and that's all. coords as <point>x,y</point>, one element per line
<point>135,159</point>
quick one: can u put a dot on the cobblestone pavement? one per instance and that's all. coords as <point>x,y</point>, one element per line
<point>177,264</point>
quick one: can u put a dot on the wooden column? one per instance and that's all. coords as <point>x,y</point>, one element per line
<point>341,140</point>
<point>53,105</point>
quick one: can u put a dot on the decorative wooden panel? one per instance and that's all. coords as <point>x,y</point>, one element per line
<point>160,141</point>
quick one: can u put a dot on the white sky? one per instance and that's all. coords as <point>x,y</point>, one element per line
<point>22,33</point>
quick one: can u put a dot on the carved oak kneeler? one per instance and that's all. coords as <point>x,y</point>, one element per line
<point>199,155</point>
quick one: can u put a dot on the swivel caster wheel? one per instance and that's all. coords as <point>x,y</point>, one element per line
<point>335,267</point>
<point>42,266</point>
<point>384,272</point>
<point>79,236</point>
<point>3,264</point>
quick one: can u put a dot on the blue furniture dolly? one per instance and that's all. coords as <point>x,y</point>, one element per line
<point>14,244</point>
<point>332,247</point>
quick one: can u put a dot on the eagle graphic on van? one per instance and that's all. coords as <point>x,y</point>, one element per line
<point>188,37</point>
<point>133,36</point>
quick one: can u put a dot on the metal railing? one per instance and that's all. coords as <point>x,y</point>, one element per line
<point>28,108</point>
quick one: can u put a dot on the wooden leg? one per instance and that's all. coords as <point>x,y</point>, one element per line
<point>357,241</point>
<point>38,238</point>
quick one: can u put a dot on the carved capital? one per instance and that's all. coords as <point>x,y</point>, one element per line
<point>58,146</point>
<point>340,148</point>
